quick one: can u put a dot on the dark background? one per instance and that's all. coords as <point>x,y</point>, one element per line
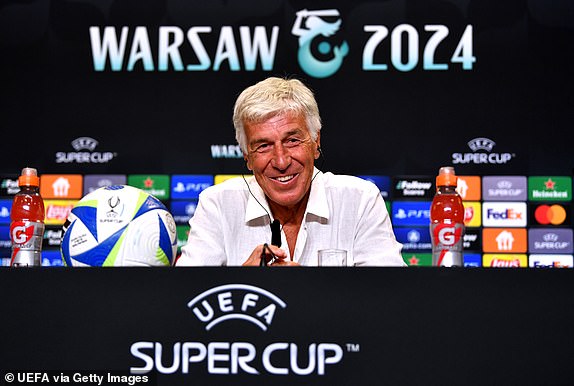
<point>413,326</point>
<point>518,93</point>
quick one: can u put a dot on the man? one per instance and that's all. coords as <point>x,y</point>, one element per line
<point>277,126</point>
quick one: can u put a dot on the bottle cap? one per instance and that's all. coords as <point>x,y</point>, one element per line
<point>446,177</point>
<point>29,177</point>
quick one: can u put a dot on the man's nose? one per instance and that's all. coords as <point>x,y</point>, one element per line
<point>281,157</point>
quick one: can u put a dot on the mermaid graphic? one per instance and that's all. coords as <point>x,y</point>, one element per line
<point>315,27</point>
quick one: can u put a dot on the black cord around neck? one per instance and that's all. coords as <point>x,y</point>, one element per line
<point>275,224</point>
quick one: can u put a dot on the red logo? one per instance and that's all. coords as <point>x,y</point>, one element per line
<point>550,214</point>
<point>447,234</point>
<point>468,214</point>
<point>20,233</point>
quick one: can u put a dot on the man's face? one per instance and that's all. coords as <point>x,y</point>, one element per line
<point>281,155</point>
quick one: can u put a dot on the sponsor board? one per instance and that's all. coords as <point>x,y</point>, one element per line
<point>472,213</point>
<point>550,214</point>
<point>468,187</point>
<point>472,260</point>
<point>504,260</point>
<point>550,261</point>
<point>9,185</point>
<point>52,258</point>
<point>96,181</point>
<point>61,186</point>
<point>57,211</point>
<point>182,232</point>
<point>414,238</point>
<point>504,240</point>
<point>411,213</point>
<point>52,237</point>
<point>219,178</point>
<point>504,214</point>
<point>418,259</point>
<point>412,188</point>
<point>155,184</point>
<point>5,208</point>
<point>382,182</point>
<point>5,243</point>
<point>549,188</point>
<point>182,210</point>
<point>186,186</point>
<point>550,241</point>
<point>472,240</point>
<point>504,188</point>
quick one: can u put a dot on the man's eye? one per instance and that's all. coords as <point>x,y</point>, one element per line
<point>293,142</point>
<point>263,148</point>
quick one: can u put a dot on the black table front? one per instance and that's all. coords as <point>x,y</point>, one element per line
<point>291,326</point>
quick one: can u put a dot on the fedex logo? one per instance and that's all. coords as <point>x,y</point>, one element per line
<point>507,214</point>
<point>551,261</point>
<point>504,214</point>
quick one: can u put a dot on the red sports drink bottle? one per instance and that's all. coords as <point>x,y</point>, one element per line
<point>27,221</point>
<point>447,221</point>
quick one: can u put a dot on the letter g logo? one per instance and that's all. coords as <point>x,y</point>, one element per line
<point>446,236</point>
<point>19,233</point>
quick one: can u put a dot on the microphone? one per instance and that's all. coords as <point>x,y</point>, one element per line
<point>275,226</point>
<point>276,233</point>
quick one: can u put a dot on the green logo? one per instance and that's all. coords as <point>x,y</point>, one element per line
<point>182,234</point>
<point>155,184</point>
<point>550,188</point>
<point>418,259</point>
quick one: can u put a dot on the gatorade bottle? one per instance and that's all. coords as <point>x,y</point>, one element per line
<point>27,221</point>
<point>447,221</point>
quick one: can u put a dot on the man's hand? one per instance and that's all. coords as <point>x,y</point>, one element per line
<point>284,263</point>
<point>255,257</point>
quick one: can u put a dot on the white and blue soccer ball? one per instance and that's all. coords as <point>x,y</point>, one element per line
<point>119,225</point>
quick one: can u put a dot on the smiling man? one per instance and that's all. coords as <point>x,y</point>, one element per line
<point>278,128</point>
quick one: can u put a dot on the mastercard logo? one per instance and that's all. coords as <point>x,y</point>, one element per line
<point>550,214</point>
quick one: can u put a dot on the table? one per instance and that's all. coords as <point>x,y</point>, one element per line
<point>292,326</point>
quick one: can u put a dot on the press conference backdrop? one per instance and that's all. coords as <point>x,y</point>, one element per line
<point>142,92</point>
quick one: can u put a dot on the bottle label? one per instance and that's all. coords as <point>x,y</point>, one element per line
<point>26,239</point>
<point>447,244</point>
<point>27,234</point>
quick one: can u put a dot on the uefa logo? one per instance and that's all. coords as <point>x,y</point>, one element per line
<point>216,305</point>
<point>241,303</point>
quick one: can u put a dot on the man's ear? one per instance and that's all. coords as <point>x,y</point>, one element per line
<point>247,162</point>
<point>318,152</point>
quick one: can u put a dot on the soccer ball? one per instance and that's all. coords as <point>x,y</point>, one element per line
<point>119,225</point>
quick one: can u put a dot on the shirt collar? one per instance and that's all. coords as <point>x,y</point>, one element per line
<point>257,205</point>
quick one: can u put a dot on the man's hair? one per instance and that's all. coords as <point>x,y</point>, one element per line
<point>271,97</point>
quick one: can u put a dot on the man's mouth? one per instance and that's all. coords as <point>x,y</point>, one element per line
<point>285,178</point>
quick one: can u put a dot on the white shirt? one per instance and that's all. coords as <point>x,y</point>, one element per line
<point>343,212</point>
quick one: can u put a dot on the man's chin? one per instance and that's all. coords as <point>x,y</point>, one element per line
<point>285,200</point>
